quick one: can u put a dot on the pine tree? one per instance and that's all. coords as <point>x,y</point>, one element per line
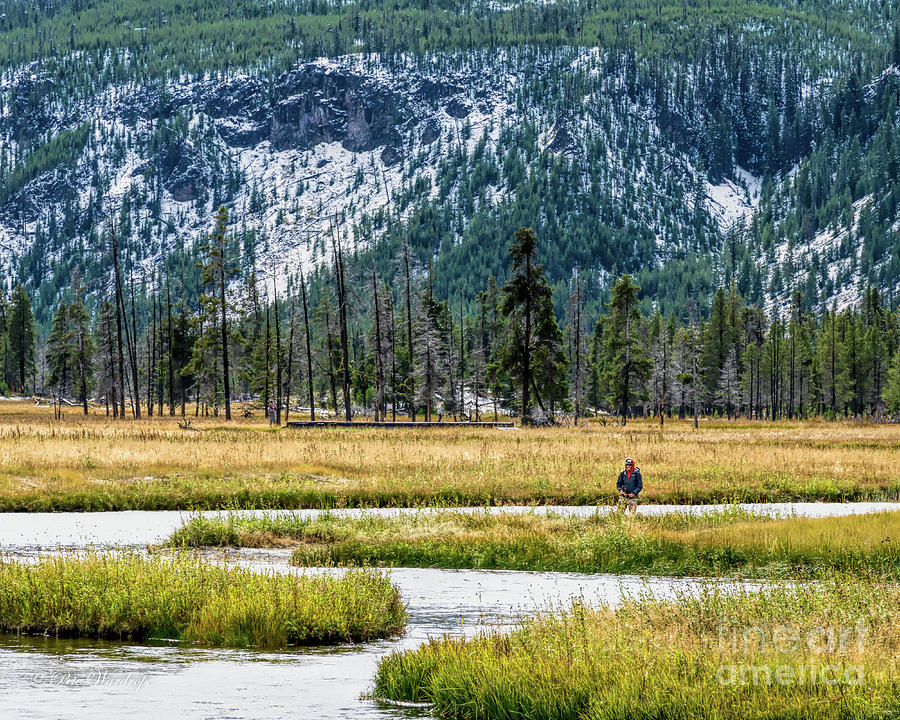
<point>522,299</point>
<point>831,356</point>
<point>729,384</point>
<point>662,337</point>
<point>550,363</point>
<point>575,340</point>
<point>59,356</point>
<point>184,342</point>
<point>21,337</point>
<point>626,361</point>
<point>598,387</point>
<point>5,355</point>
<point>716,345</point>
<point>212,343</point>
<point>106,369</point>
<point>409,335</point>
<point>874,352</point>
<point>83,349</point>
<point>496,379</point>
<point>891,392</point>
<point>430,361</point>
<point>308,346</point>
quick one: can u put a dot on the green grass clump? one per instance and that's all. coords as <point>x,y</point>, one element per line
<point>718,655</point>
<point>718,543</point>
<point>186,598</point>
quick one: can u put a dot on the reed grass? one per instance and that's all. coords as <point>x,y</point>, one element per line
<point>95,463</point>
<point>132,597</point>
<point>728,542</point>
<point>723,654</point>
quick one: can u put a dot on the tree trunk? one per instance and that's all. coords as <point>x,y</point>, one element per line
<point>330,348</point>
<point>309,370</point>
<point>119,305</point>
<point>462,359</point>
<point>342,313</point>
<point>409,342</point>
<point>266,398</point>
<point>379,374</point>
<point>577,347</point>
<point>225,377</point>
<point>526,357</point>
<point>665,374</point>
<point>290,361</point>
<point>393,364</point>
<point>133,346</point>
<point>151,360</point>
<point>169,347</point>
<point>277,358</point>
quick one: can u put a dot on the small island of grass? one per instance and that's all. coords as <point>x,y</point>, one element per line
<point>131,597</point>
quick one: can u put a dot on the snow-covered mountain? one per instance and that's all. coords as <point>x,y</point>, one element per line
<point>613,161</point>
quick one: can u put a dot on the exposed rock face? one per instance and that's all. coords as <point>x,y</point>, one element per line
<point>458,108</point>
<point>431,131</point>
<point>26,116</point>
<point>560,138</point>
<point>313,104</point>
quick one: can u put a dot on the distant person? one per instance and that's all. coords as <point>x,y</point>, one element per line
<point>440,412</point>
<point>630,485</point>
<point>271,414</point>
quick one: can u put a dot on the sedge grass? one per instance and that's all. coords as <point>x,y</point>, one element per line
<point>729,542</point>
<point>793,651</point>
<point>95,463</point>
<point>132,597</point>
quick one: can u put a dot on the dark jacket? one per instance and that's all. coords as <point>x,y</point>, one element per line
<point>633,484</point>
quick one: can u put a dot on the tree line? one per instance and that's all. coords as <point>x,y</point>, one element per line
<point>347,339</point>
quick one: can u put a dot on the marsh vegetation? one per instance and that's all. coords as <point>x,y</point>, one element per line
<point>727,542</point>
<point>827,650</point>
<point>132,597</point>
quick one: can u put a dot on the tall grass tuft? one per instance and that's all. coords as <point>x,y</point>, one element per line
<point>131,597</point>
<point>730,541</point>
<point>719,655</point>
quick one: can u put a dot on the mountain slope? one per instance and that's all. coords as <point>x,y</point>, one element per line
<point>632,136</point>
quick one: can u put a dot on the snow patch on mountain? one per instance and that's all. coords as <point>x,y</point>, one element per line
<point>732,202</point>
<point>824,246</point>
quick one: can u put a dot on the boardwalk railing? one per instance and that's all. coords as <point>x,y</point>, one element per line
<point>408,424</point>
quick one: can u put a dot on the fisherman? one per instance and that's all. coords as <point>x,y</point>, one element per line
<point>630,485</point>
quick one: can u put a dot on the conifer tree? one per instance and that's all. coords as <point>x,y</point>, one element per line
<point>83,348</point>
<point>5,355</point>
<point>891,392</point>
<point>831,356</point>
<point>21,337</point>
<point>523,296</point>
<point>626,362</point>
<point>59,356</point>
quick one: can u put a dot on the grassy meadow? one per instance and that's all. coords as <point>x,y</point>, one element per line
<point>185,598</point>
<point>96,463</point>
<point>731,542</point>
<point>828,650</point>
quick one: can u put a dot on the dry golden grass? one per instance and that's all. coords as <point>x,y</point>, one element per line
<point>97,462</point>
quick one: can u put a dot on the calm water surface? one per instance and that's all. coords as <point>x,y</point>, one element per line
<point>21,532</point>
<point>48,678</point>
